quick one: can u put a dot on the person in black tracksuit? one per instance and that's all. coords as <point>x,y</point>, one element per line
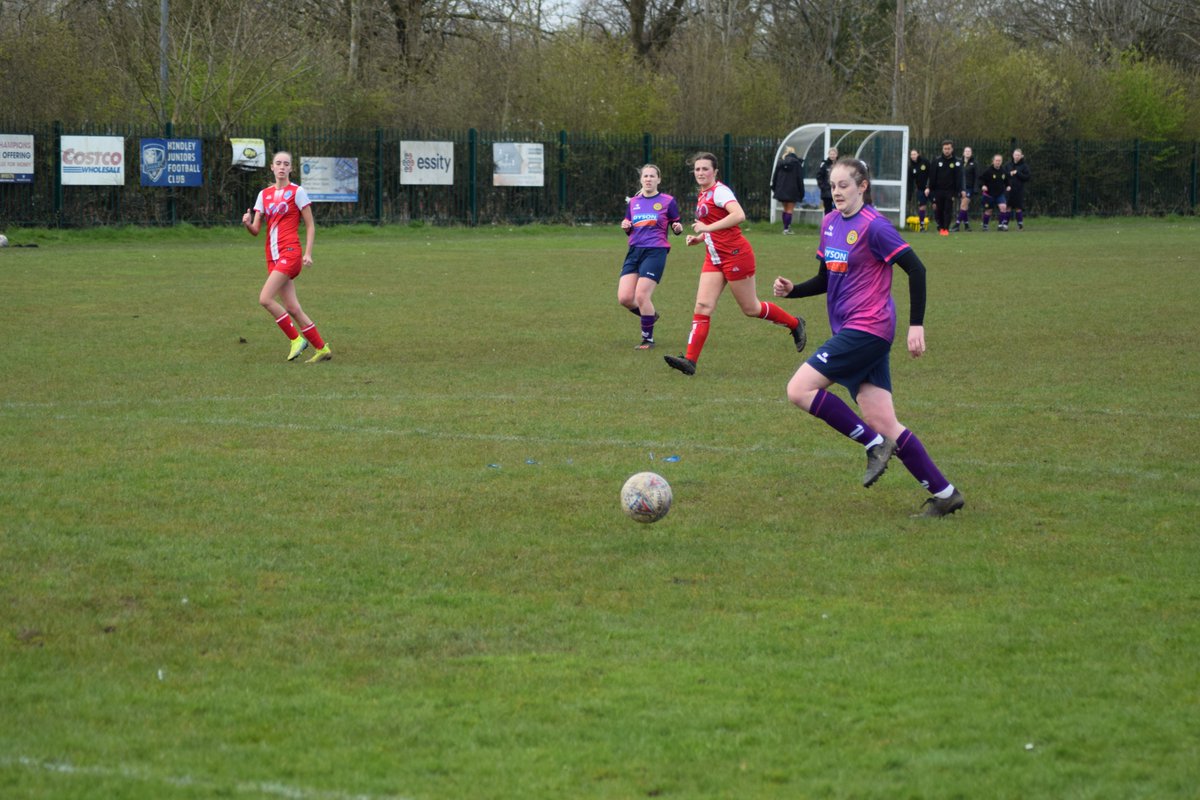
<point>1018,175</point>
<point>993,192</point>
<point>918,180</point>
<point>823,179</point>
<point>945,185</point>
<point>787,184</point>
<point>970,177</point>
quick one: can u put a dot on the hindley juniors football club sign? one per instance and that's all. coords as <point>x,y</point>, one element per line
<point>172,162</point>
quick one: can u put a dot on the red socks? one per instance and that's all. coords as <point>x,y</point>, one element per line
<point>777,315</point>
<point>700,324</point>
<point>287,326</point>
<point>313,337</point>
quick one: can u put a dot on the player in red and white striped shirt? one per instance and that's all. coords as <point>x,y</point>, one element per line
<point>284,205</point>
<point>728,260</point>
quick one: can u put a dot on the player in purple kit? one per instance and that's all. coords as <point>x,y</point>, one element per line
<point>857,251</point>
<point>649,214</point>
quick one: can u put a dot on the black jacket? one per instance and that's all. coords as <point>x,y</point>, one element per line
<point>787,184</point>
<point>946,174</point>
<point>918,174</point>
<point>993,181</point>
<point>823,178</point>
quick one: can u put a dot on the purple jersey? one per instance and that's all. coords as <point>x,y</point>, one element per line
<point>652,218</point>
<point>858,252</point>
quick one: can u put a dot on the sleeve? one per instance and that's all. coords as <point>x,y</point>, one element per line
<point>302,198</point>
<point>672,212</point>
<point>723,196</point>
<point>258,204</point>
<point>908,261</point>
<point>818,284</point>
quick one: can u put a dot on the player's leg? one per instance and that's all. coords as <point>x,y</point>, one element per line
<point>308,328</point>
<point>644,302</point>
<point>712,283</point>
<point>880,413</point>
<point>627,291</point>
<point>787,216</point>
<point>272,289</point>
<point>746,294</point>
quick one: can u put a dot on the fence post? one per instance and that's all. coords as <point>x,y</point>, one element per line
<point>169,130</point>
<point>58,192</point>
<point>379,176</point>
<point>1136,177</point>
<point>1075,183</point>
<point>472,195</point>
<point>727,167</point>
<point>647,143</point>
<point>1195,188</point>
<point>562,172</point>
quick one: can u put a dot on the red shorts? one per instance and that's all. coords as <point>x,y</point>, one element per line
<point>289,263</point>
<point>736,267</point>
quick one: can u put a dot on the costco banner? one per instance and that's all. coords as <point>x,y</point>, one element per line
<point>429,163</point>
<point>171,162</point>
<point>93,160</point>
<point>16,158</point>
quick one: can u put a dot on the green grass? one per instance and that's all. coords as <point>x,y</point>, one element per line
<point>222,575</point>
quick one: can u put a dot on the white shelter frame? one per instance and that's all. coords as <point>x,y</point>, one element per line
<point>874,144</point>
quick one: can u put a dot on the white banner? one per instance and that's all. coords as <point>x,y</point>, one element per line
<point>329,180</point>
<point>427,163</point>
<point>518,164</point>
<point>93,160</point>
<point>249,154</point>
<point>16,158</point>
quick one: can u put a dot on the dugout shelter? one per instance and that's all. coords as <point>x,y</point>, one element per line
<point>883,147</point>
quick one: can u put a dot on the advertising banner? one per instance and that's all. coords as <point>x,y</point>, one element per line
<point>16,158</point>
<point>249,154</point>
<point>171,162</point>
<point>93,160</point>
<point>428,163</point>
<point>518,164</point>
<point>329,180</point>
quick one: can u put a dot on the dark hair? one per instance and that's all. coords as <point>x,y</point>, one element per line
<point>947,142</point>
<point>859,171</point>
<point>702,156</point>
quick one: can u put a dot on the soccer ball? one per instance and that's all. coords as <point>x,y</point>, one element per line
<point>646,497</point>
<point>3,240</point>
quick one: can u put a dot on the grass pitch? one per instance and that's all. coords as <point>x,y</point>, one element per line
<point>404,573</point>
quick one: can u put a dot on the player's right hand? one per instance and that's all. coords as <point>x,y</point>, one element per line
<point>782,286</point>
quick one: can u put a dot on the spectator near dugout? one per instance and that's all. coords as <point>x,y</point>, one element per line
<point>787,184</point>
<point>993,192</point>
<point>823,179</point>
<point>970,178</point>
<point>1018,175</point>
<point>918,181</point>
<point>945,186</point>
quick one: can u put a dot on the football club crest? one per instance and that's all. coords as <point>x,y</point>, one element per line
<point>154,159</point>
<point>852,237</point>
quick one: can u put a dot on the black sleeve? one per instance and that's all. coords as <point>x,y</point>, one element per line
<point>911,264</point>
<point>813,286</point>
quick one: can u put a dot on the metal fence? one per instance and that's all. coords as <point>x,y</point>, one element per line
<point>587,177</point>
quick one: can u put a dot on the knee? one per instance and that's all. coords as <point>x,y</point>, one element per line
<point>704,309</point>
<point>266,301</point>
<point>801,396</point>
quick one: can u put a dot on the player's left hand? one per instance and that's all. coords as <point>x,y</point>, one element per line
<point>916,340</point>
<point>691,240</point>
<point>677,228</point>
<point>306,260</point>
<point>699,227</point>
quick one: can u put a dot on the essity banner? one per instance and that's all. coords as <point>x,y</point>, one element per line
<point>429,163</point>
<point>93,160</point>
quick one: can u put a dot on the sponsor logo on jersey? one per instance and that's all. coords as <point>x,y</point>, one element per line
<point>836,260</point>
